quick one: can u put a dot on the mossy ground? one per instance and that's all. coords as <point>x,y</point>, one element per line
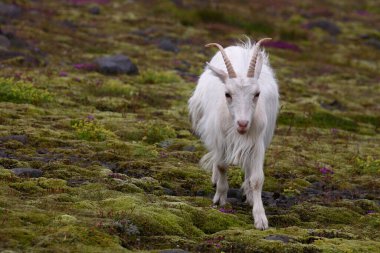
<point>118,158</point>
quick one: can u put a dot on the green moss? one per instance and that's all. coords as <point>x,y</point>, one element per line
<point>113,87</point>
<point>326,215</point>
<point>65,219</point>
<point>156,133</point>
<point>22,92</point>
<point>91,130</point>
<point>213,221</point>
<point>52,184</point>
<point>28,186</point>
<point>318,119</point>
<point>284,220</point>
<point>159,77</point>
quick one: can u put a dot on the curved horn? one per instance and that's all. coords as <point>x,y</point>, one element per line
<point>252,65</point>
<point>230,69</point>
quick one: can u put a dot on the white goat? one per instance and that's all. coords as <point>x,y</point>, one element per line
<point>234,113</point>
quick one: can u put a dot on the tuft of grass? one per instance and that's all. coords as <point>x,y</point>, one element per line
<point>156,133</point>
<point>22,92</point>
<point>159,77</point>
<point>91,130</point>
<point>113,88</point>
<point>318,119</point>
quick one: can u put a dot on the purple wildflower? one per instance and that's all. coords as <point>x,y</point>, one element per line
<point>63,73</point>
<point>223,210</point>
<point>325,171</point>
<point>90,117</point>
<point>362,12</point>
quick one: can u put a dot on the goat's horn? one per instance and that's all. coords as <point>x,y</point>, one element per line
<point>230,69</point>
<point>252,65</point>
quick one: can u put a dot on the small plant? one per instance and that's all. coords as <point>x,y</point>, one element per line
<point>21,92</point>
<point>155,77</point>
<point>91,130</point>
<point>291,192</point>
<point>367,165</point>
<point>156,133</point>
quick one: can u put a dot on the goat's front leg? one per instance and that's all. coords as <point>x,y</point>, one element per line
<point>253,184</point>
<point>219,178</point>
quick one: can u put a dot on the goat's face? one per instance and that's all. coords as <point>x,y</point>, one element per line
<point>242,95</point>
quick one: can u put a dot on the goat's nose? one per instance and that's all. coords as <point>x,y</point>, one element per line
<point>243,123</point>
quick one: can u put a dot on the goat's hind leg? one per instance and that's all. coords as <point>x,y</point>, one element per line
<point>219,178</point>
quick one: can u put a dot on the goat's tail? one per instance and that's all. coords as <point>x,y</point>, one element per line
<point>206,162</point>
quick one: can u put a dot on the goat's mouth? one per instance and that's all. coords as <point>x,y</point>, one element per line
<point>241,130</point>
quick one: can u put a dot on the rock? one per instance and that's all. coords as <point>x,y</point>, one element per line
<point>76,182</point>
<point>20,138</point>
<point>168,191</point>
<point>116,64</point>
<point>4,42</point>
<point>9,10</point>
<point>285,202</point>
<point>334,105</point>
<point>282,238</point>
<point>234,193</point>
<point>189,148</point>
<point>173,251</point>
<point>27,172</point>
<point>268,198</point>
<point>374,43</point>
<point>325,25</point>
<point>200,193</point>
<point>168,45</point>
<point>165,143</point>
<point>94,10</point>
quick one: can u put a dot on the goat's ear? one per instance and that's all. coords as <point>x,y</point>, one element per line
<point>259,65</point>
<point>218,72</point>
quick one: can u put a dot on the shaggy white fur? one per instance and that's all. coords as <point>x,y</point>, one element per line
<point>220,107</point>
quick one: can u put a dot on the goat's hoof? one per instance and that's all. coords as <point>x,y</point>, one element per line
<point>243,198</point>
<point>261,222</point>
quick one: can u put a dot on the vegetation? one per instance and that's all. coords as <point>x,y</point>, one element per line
<point>107,163</point>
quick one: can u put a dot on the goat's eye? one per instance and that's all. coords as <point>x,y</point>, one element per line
<point>257,94</point>
<point>228,95</point>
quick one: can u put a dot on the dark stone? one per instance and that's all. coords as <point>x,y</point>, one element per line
<point>20,138</point>
<point>26,60</point>
<point>234,193</point>
<point>76,182</point>
<point>189,148</point>
<point>168,45</point>
<point>169,192</point>
<point>4,42</point>
<point>373,42</point>
<point>325,25</point>
<point>94,10</point>
<point>334,105</point>
<point>9,10</point>
<point>165,143</point>
<point>268,198</point>
<point>116,64</point>
<point>173,251</point>
<point>282,238</point>
<point>200,193</point>
<point>286,202</point>
<point>27,172</point>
